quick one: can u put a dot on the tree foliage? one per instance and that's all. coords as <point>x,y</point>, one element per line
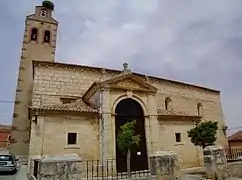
<point>48,4</point>
<point>126,140</point>
<point>204,134</point>
<point>126,136</point>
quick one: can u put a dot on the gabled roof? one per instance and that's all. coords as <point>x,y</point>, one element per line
<point>236,136</point>
<point>129,81</point>
<point>123,81</point>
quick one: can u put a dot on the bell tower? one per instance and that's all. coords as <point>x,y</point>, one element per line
<point>39,44</point>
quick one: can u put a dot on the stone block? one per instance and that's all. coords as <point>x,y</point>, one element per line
<point>164,165</point>
<point>215,162</point>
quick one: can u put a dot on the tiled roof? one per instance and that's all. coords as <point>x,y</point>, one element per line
<point>78,106</point>
<point>5,127</point>
<point>236,136</point>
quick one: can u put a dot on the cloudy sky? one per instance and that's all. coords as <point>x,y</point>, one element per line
<point>195,41</point>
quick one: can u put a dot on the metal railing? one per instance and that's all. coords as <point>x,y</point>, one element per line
<point>87,169</point>
<point>233,155</point>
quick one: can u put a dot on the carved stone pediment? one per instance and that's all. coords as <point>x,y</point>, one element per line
<point>127,82</point>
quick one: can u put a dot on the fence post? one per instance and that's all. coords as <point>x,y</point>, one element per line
<point>164,165</point>
<point>215,162</point>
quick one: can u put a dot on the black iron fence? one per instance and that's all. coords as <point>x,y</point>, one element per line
<point>233,155</point>
<point>86,169</point>
<point>95,169</point>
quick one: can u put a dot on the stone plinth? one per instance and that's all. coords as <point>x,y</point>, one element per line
<point>165,166</point>
<point>215,162</point>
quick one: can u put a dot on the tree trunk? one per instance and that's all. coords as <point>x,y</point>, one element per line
<point>128,164</point>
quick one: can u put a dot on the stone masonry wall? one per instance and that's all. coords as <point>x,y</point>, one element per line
<point>188,155</point>
<point>185,100</point>
<point>53,82</point>
<point>52,130</point>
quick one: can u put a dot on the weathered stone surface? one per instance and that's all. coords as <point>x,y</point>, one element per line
<point>214,162</point>
<point>233,169</point>
<point>165,166</point>
<point>31,50</point>
<point>49,136</point>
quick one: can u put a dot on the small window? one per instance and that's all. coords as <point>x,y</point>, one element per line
<point>71,138</point>
<point>34,34</point>
<point>67,100</point>
<point>47,36</point>
<point>178,137</point>
<point>167,103</point>
<point>199,109</point>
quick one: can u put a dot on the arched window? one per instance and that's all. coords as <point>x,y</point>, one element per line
<point>34,34</point>
<point>47,36</point>
<point>199,109</point>
<point>167,103</point>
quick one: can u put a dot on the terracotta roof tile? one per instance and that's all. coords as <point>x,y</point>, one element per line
<point>5,128</point>
<point>78,106</point>
<point>236,136</point>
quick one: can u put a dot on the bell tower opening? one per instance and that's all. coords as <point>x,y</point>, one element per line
<point>128,110</point>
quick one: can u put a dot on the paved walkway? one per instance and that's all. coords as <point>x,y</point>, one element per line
<point>22,175</point>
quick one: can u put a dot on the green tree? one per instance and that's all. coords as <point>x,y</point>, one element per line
<point>204,134</point>
<point>126,140</point>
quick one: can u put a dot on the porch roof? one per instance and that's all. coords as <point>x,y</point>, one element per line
<point>78,106</point>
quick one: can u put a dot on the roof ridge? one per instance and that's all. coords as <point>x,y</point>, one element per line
<point>236,136</point>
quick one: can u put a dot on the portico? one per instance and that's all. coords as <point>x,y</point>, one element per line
<point>121,99</point>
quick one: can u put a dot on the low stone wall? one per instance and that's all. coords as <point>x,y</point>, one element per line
<point>164,165</point>
<point>233,169</point>
<point>216,165</point>
<point>23,159</point>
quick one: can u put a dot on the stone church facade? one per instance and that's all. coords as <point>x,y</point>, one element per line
<point>79,109</point>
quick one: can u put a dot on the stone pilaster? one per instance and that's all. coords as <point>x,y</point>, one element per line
<point>107,141</point>
<point>37,137</point>
<point>152,126</point>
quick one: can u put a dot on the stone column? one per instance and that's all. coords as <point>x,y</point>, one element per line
<point>164,165</point>
<point>215,162</point>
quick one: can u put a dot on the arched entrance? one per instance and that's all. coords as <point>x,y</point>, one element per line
<point>129,110</point>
